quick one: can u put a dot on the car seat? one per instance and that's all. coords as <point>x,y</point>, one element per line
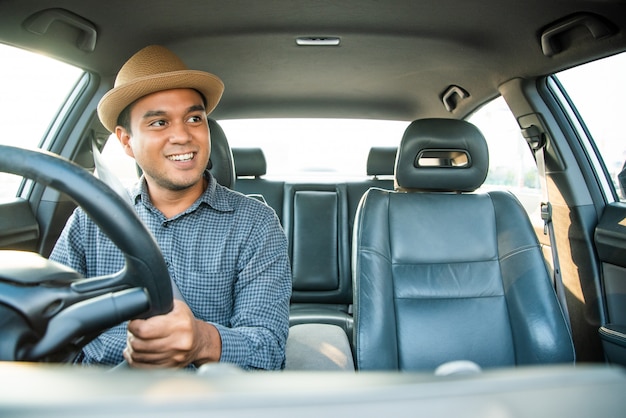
<point>221,164</point>
<point>441,273</point>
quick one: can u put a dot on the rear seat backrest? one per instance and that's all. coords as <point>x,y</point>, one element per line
<point>318,219</point>
<point>250,166</point>
<point>315,221</point>
<point>316,224</point>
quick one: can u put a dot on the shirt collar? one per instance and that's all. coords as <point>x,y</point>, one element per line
<point>212,196</point>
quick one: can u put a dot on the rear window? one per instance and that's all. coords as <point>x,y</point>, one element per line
<point>316,148</point>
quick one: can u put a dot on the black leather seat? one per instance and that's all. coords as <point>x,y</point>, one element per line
<point>381,162</point>
<point>442,275</point>
<point>250,167</point>
<point>249,162</point>
<point>221,164</point>
<point>315,218</point>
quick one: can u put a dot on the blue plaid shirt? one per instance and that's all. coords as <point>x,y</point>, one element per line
<point>227,254</point>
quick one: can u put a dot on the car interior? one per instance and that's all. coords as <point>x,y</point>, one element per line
<point>444,277</point>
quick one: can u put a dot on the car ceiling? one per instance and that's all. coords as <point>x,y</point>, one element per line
<point>395,60</point>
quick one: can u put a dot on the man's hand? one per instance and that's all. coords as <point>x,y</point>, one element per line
<point>172,340</point>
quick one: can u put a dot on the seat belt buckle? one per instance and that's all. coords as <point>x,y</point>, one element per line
<point>546,215</point>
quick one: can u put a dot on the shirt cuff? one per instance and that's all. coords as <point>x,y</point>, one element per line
<point>234,346</point>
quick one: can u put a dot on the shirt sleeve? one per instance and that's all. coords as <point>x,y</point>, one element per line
<point>255,335</point>
<point>69,249</point>
<point>106,349</point>
<point>260,321</point>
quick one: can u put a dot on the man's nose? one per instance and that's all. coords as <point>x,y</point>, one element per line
<point>180,132</point>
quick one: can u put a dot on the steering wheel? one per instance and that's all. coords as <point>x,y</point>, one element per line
<point>49,311</point>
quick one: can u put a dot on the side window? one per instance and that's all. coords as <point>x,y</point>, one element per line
<point>32,90</point>
<point>511,164</point>
<point>597,92</point>
<point>118,162</point>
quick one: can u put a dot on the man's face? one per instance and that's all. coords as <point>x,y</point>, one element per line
<point>170,138</point>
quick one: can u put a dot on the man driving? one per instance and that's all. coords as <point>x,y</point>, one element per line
<point>225,252</point>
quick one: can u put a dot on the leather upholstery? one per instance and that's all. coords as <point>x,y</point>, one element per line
<point>250,166</point>
<point>221,164</point>
<point>442,136</point>
<point>315,219</point>
<point>441,277</point>
<point>381,161</point>
<point>249,162</point>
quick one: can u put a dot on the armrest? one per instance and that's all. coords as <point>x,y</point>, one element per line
<point>318,347</point>
<point>614,343</point>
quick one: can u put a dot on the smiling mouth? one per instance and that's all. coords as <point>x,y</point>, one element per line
<point>182,157</point>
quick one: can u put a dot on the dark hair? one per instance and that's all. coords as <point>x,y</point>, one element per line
<point>123,119</point>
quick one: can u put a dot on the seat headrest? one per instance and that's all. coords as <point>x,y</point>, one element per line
<point>442,155</point>
<point>381,161</point>
<point>249,162</point>
<point>221,164</point>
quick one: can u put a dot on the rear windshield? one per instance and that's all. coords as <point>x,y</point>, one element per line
<point>319,148</point>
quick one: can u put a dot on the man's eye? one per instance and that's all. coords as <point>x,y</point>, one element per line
<point>158,123</point>
<point>195,119</point>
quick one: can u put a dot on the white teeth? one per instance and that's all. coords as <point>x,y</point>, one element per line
<point>181,157</point>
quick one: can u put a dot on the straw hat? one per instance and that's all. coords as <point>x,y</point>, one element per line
<point>155,68</point>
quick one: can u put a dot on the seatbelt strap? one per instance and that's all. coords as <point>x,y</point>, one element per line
<point>537,141</point>
<point>104,173</point>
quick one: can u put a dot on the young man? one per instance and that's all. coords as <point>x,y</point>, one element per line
<point>226,253</point>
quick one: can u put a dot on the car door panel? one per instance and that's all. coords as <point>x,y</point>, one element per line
<point>18,226</point>
<point>52,215</point>
<point>610,238</point>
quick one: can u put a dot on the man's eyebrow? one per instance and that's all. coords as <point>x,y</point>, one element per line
<point>153,113</point>
<point>196,108</point>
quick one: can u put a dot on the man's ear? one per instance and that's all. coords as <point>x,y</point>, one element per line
<point>124,138</point>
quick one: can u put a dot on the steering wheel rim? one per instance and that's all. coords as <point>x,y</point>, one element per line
<point>144,267</point>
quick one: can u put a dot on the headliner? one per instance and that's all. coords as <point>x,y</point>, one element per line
<point>395,60</point>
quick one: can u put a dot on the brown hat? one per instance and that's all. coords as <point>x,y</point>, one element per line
<point>155,68</point>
